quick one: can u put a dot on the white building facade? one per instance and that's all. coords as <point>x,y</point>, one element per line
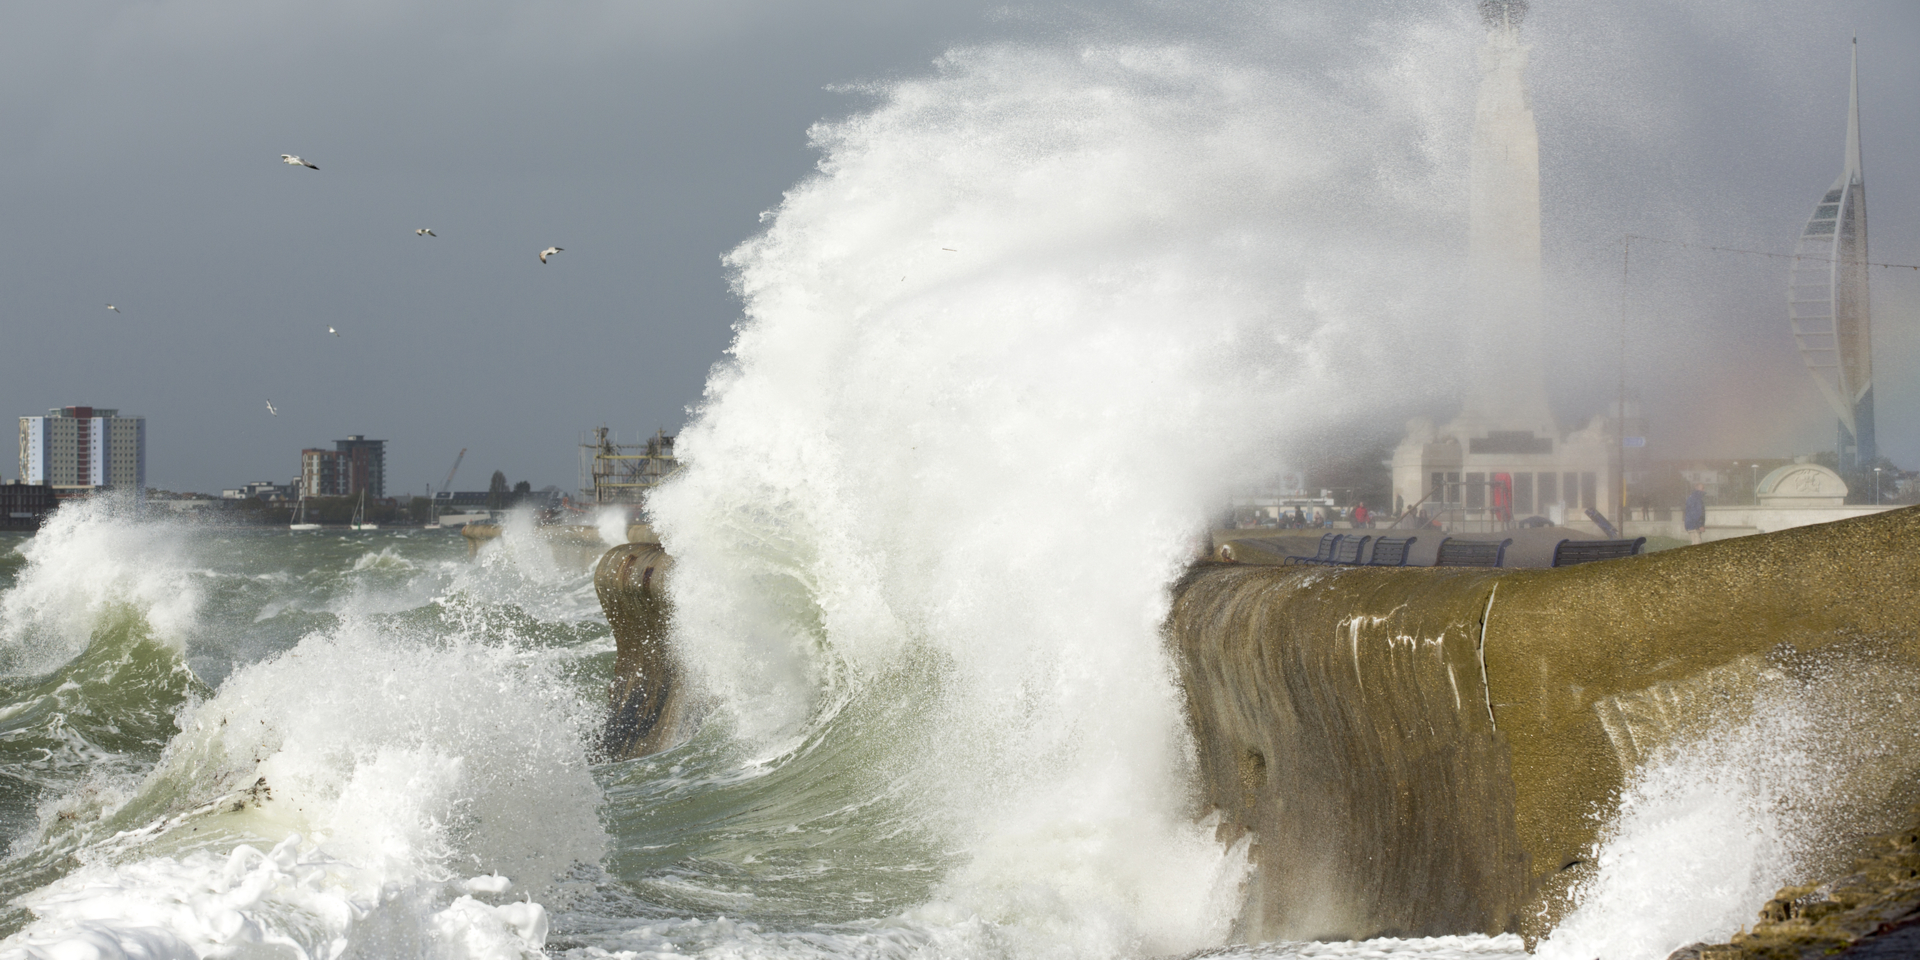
<point>1472,475</point>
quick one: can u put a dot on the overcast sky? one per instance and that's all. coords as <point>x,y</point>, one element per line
<point>139,166</point>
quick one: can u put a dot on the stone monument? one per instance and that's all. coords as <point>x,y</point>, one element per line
<point>1504,458</point>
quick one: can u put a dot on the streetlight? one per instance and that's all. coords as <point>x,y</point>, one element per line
<point>1756,483</point>
<point>1876,486</point>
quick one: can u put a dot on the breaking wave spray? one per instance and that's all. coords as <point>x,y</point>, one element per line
<point>1001,358</point>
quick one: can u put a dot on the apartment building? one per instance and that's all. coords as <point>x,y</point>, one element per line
<point>82,450</point>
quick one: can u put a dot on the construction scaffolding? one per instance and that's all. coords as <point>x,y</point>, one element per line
<point>615,472</point>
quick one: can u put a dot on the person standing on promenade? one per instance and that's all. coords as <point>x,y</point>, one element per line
<point>1696,513</point>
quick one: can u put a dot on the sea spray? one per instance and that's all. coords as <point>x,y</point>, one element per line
<point>1000,358</point>
<point>336,788</point>
<point>1702,837</point>
<point>520,569</point>
<point>1768,794</point>
<point>92,568</point>
<point>611,522</point>
<point>370,772</point>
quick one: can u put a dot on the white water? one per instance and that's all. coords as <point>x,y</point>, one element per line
<point>332,800</point>
<point>88,564</point>
<point>1698,844</point>
<point>611,522</point>
<point>999,357</point>
<point>376,790</point>
<point>1707,832</point>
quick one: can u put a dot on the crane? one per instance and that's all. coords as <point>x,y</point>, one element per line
<point>433,508</point>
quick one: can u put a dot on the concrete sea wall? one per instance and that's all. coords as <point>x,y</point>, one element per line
<point>646,704</point>
<point>1426,751</point>
<point>1432,751</point>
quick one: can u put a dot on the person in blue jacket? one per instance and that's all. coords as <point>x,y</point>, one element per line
<point>1696,513</point>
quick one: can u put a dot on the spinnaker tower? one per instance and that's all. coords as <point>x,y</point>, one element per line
<point>1827,301</point>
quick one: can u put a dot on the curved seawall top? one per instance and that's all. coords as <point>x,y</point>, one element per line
<point>1428,751</point>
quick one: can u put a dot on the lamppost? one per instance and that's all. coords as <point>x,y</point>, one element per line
<point>1755,483</point>
<point>1876,486</point>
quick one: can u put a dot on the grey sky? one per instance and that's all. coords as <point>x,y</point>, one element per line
<point>141,167</point>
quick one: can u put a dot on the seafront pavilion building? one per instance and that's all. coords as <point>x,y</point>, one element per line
<point>82,450</point>
<point>1827,301</point>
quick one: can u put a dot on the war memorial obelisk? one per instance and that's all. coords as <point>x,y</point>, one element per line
<point>1506,286</point>
<point>1504,457</point>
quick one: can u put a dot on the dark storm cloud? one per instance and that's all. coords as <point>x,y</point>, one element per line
<point>140,166</point>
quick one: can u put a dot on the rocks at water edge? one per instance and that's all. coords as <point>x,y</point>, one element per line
<point>1871,913</point>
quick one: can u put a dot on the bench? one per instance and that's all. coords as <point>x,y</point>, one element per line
<point>1471,553</point>
<point>1347,552</point>
<point>1566,553</point>
<point>1325,554</point>
<point>1390,551</point>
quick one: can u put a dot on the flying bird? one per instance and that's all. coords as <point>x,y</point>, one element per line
<point>425,232</point>
<point>293,161</point>
<point>333,331</point>
<point>113,308</point>
<point>947,249</point>
<point>548,252</point>
<point>271,410</point>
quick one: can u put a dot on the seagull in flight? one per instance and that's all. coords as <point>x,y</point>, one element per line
<point>333,331</point>
<point>548,252</point>
<point>271,410</point>
<point>425,232</point>
<point>113,308</point>
<point>293,161</point>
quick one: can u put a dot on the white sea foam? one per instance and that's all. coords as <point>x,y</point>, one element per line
<point>725,938</point>
<point>381,770</point>
<point>90,563</point>
<point>521,567</point>
<point>384,560</point>
<point>521,547</point>
<point>1503,947</point>
<point>1000,357</point>
<point>612,524</point>
<point>290,901</point>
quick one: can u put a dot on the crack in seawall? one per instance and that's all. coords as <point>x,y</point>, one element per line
<point>1481,650</point>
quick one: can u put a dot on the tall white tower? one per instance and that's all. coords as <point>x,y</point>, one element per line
<point>1827,301</point>
<point>1506,283</point>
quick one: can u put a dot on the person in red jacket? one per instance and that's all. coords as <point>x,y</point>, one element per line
<point>1360,514</point>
